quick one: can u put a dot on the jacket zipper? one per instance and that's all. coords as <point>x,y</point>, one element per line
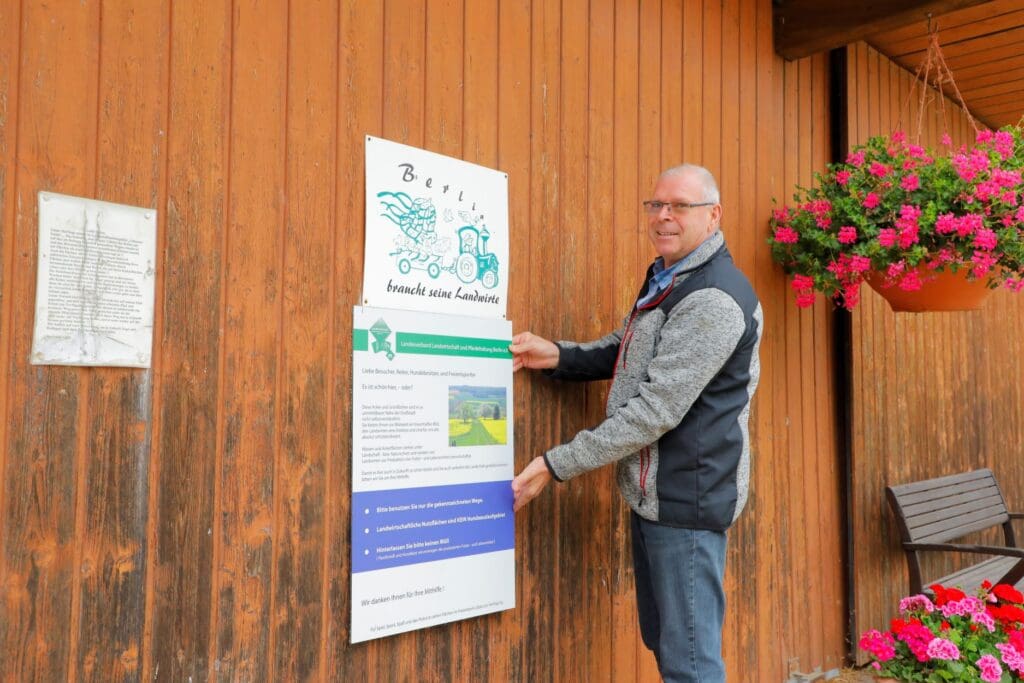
<point>627,337</point>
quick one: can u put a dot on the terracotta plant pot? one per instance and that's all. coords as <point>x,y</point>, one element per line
<point>943,291</point>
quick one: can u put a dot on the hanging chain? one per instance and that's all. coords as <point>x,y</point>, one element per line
<point>931,77</point>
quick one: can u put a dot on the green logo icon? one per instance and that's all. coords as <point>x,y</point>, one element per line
<point>381,332</point>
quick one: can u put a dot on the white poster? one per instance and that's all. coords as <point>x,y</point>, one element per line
<point>436,232</point>
<point>432,523</point>
<point>95,281</point>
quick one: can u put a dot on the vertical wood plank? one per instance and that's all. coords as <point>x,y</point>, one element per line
<point>601,502</point>
<point>648,163</point>
<point>360,113</point>
<point>693,85</point>
<point>252,341</point>
<point>480,112</point>
<point>767,418</point>
<point>444,62</point>
<point>55,151</point>
<point>671,84</point>
<point>132,117</point>
<point>10,45</point>
<point>515,94</point>
<point>404,70</point>
<point>492,647</point>
<point>729,142</point>
<point>711,82</point>
<point>625,648</point>
<point>572,567</point>
<point>310,146</point>
<point>448,650</point>
<point>183,496</point>
<point>544,276</point>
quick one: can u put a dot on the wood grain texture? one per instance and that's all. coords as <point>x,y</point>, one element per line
<point>45,446</point>
<point>931,392</point>
<point>184,486</point>
<point>207,501</point>
<point>114,491</point>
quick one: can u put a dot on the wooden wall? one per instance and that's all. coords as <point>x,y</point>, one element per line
<point>190,522</point>
<point>933,393</point>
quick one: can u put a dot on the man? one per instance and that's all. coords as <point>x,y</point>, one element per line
<point>684,367</point>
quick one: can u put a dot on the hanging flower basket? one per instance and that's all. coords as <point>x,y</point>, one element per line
<point>928,229</point>
<point>898,214</point>
<point>939,291</point>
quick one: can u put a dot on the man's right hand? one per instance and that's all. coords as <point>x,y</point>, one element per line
<point>530,351</point>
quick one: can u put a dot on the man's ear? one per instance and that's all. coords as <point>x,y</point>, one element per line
<point>716,215</point>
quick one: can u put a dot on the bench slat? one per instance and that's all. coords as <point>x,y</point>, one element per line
<point>942,533</point>
<point>975,499</point>
<point>971,577</point>
<point>942,482</point>
<point>976,487</point>
<point>952,522</point>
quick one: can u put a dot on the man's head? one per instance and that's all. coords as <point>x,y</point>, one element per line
<point>686,210</point>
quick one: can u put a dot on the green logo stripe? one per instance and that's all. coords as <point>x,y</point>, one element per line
<point>442,345</point>
<point>360,340</point>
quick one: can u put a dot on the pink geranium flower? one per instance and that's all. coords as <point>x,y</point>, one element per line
<point>937,209</point>
<point>786,235</point>
<point>847,234</point>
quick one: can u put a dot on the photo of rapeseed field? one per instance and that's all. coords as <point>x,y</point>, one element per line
<point>477,416</point>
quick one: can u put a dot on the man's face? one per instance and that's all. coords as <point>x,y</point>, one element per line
<point>675,236</point>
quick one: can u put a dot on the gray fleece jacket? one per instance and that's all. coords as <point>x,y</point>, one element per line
<point>684,368</point>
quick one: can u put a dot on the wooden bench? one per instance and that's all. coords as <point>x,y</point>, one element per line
<point>934,512</point>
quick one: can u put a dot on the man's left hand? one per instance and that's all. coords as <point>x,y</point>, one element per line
<point>530,482</point>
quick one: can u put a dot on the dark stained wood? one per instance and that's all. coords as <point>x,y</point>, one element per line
<point>250,367</point>
<point>45,447</point>
<point>303,443</point>
<point>244,123</point>
<point>513,129</point>
<point>114,481</point>
<point>10,44</point>
<point>598,536</point>
<point>627,653</point>
<point>804,27</point>
<point>360,113</point>
<point>184,492</point>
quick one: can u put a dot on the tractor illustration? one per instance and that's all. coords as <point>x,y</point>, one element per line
<point>473,262</point>
<point>419,247</point>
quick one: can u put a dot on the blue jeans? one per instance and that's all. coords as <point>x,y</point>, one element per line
<point>680,600</point>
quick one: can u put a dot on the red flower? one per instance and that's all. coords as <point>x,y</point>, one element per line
<point>944,595</point>
<point>1008,593</point>
<point>1007,614</point>
<point>986,584</point>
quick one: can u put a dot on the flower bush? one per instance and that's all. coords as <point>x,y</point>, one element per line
<point>903,212</point>
<point>953,637</point>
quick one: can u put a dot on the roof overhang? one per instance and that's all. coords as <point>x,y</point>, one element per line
<point>806,27</point>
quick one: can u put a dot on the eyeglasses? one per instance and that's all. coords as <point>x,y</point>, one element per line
<point>676,208</point>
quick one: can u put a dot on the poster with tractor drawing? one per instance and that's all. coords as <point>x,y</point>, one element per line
<point>436,232</point>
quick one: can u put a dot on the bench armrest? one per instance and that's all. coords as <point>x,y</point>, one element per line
<point>964,548</point>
